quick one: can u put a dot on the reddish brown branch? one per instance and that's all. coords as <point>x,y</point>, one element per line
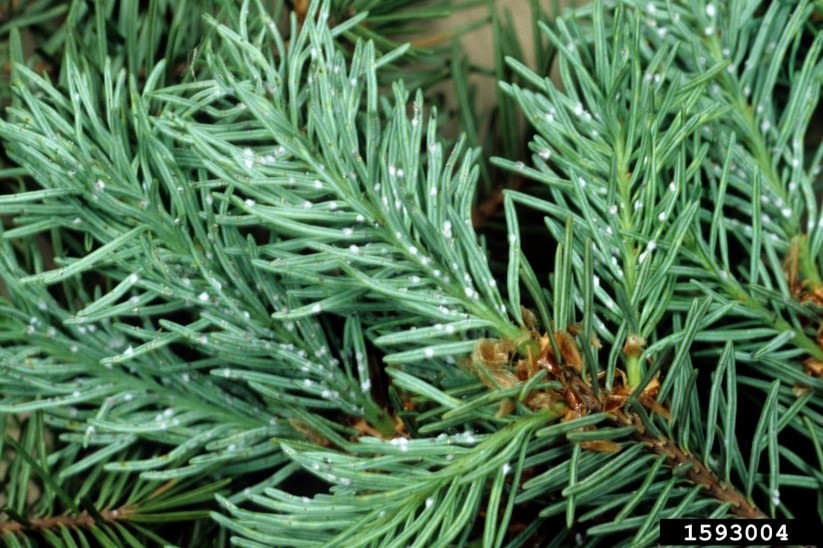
<point>580,399</point>
<point>78,521</point>
<point>697,472</point>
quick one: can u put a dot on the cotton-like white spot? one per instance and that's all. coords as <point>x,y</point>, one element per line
<point>250,202</point>
<point>545,154</point>
<point>447,229</point>
<point>413,250</point>
<point>354,249</point>
<point>711,10</point>
<point>429,353</point>
<point>775,497</point>
<point>248,158</point>
<point>203,296</point>
<point>429,502</point>
<point>612,210</point>
<point>402,443</point>
<point>360,218</point>
<point>578,109</point>
<point>316,308</point>
<point>708,30</point>
<point>506,469</point>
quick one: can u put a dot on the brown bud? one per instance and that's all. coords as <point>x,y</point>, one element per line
<point>634,346</point>
<point>569,351</point>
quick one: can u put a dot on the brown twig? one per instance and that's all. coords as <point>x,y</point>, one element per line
<point>81,520</point>
<point>697,472</point>
<point>580,399</point>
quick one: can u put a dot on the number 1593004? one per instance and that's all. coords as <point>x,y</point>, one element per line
<point>734,532</point>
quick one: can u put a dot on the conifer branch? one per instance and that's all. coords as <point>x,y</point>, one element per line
<point>240,268</point>
<point>581,399</point>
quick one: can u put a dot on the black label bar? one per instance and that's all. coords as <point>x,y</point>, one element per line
<point>738,532</point>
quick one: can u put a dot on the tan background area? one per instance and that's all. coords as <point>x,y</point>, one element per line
<point>478,44</point>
